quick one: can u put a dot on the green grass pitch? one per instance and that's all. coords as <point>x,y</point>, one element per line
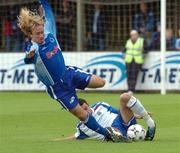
<point>30,121</point>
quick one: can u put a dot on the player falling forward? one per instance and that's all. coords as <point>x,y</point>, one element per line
<point>121,119</point>
<point>61,81</point>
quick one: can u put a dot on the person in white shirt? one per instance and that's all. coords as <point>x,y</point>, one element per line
<point>120,119</point>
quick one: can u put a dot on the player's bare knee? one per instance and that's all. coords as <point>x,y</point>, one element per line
<point>99,81</point>
<point>102,82</point>
<point>96,82</point>
<point>124,98</point>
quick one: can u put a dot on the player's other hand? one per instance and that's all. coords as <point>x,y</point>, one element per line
<point>31,53</point>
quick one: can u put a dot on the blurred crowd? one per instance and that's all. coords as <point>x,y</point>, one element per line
<point>149,29</point>
<point>96,29</point>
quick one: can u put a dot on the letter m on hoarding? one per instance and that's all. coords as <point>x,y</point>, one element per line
<point>19,76</point>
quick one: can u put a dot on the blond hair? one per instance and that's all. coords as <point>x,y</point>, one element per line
<point>27,20</point>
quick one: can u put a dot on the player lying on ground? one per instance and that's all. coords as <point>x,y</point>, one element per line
<point>60,80</point>
<point>120,119</point>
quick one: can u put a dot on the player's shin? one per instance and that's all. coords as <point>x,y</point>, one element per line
<point>108,132</point>
<point>135,105</point>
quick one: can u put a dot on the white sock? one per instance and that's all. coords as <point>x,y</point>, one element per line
<point>136,106</point>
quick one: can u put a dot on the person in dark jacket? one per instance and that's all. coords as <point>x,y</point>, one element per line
<point>97,29</point>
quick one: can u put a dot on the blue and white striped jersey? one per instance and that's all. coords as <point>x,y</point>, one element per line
<point>48,60</point>
<point>104,115</point>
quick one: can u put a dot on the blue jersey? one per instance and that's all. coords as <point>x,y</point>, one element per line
<point>48,60</point>
<point>61,82</point>
<point>106,116</point>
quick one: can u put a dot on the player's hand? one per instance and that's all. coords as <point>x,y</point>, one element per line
<point>31,53</point>
<point>65,138</point>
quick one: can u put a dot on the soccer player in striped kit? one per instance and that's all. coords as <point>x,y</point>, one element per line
<point>130,109</point>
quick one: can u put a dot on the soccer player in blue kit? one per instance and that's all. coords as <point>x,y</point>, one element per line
<point>61,81</point>
<point>120,119</point>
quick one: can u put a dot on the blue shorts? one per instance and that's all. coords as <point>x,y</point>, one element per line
<point>64,91</point>
<point>121,125</point>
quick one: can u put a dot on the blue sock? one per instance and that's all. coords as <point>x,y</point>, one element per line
<point>91,123</point>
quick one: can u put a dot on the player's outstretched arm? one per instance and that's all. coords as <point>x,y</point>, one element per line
<point>50,24</point>
<point>72,137</point>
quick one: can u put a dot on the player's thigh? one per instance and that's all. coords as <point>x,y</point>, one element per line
<point>71,103</point>
<point>96,82</point>
<point>125,111</point>
<point>64,94</point>
<point>80,78</point>
<point>126,114</point>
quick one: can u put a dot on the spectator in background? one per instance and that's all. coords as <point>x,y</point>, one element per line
<point>177,45</point>
<point>170,40</point>
<point>17,36</point>
<point>156,38</point>
<point>134,51</point>
<point>144,23</point>
<point>64,21</point>
<point>97,29</point>
<point>1,30</point>
<point>7,31</point>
